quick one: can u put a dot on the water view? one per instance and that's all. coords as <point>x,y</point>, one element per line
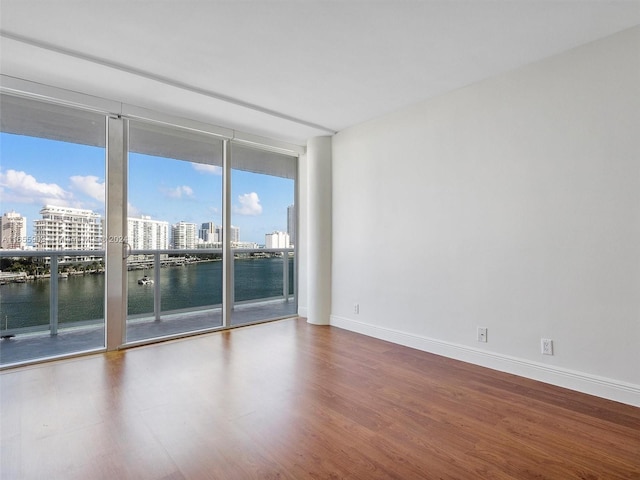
<point>191,286</point>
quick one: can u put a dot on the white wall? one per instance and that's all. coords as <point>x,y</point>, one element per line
<point>512,204</point>
<point>318,230</point>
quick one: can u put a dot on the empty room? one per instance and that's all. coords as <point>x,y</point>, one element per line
<point>319,239</point>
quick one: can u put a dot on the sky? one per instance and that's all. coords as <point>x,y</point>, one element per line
<point>35,172</point>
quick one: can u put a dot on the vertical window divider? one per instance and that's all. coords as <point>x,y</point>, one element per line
<point>116,231</point>
<point>227,253</point>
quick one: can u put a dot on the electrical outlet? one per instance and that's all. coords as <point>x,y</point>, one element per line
<point>482,334</point>
<point>546,346</point>
<point>356,308</point>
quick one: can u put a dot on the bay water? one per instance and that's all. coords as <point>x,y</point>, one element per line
<point>193,285</point>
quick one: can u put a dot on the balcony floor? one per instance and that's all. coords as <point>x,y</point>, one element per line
<point>35,346</point>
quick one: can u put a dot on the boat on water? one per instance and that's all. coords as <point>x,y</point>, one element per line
<point>145,281</point>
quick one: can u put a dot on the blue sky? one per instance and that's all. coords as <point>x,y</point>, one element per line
<point>35,172</point>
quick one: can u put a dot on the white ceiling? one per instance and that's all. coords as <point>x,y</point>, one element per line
<point>288,69</point>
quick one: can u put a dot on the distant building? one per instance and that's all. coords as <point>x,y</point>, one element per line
<point>235,235</point>
<point>65,228</point>
<point>291,224</point>
<point>208,233</point>
<point>184,235</point>
<point>13,231</point>
<point>211,236</point>
<point>276,240</point>
<point>146,234</point>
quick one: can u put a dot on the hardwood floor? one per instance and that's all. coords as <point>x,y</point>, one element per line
<point>288,400</point>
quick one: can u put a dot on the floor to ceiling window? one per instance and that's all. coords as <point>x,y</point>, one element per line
<point>61,262</point>
<point>174,274</point>
<point>262,234</point>
<point>52,187</point>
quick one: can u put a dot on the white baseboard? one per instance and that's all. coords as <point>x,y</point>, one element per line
<point>582,382</point>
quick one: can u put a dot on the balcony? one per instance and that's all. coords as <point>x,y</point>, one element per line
<point>181,295</point>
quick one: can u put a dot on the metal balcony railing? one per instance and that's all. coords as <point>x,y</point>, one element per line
<point>156,259</point>
<point>53,264</point>
<point>53,260</point>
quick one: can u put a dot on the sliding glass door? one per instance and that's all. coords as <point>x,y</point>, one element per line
<point>152,234</point>
<point>174,277</point>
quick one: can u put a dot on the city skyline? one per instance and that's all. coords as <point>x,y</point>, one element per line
<point>35,172</point>
<point>69,227</point>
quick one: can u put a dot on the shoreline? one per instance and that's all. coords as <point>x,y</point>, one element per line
<point>22,277</point>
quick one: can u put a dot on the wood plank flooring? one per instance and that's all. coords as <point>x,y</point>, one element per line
<point>288,400</point>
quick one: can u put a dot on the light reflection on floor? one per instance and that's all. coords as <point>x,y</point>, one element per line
<point>25,348</point>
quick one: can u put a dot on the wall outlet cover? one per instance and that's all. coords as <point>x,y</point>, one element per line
<point>482,334</point>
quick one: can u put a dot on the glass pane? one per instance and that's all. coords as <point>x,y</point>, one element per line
<point>263,223</point>
<point>175,209</point>
<point>52,177</point>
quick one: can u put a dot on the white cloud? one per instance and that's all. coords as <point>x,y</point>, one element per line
<point>210,169</point>
<point>179,192</point>
<point>249,204</point>
<point>89,185</point>
<point>133,211</point>
<point>21,187</point>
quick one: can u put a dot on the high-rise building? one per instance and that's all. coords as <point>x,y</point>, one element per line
<point>184,235</point>
<point>13,231</point>
<point>291,224</point>
<point>208,233</point>
<point>66,228</point>
<point>146,234</point>
<point>276,240</point>
<point>235,235</point>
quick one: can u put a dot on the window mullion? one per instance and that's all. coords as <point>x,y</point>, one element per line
<point>116,231</point>
<point>227,254</point>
